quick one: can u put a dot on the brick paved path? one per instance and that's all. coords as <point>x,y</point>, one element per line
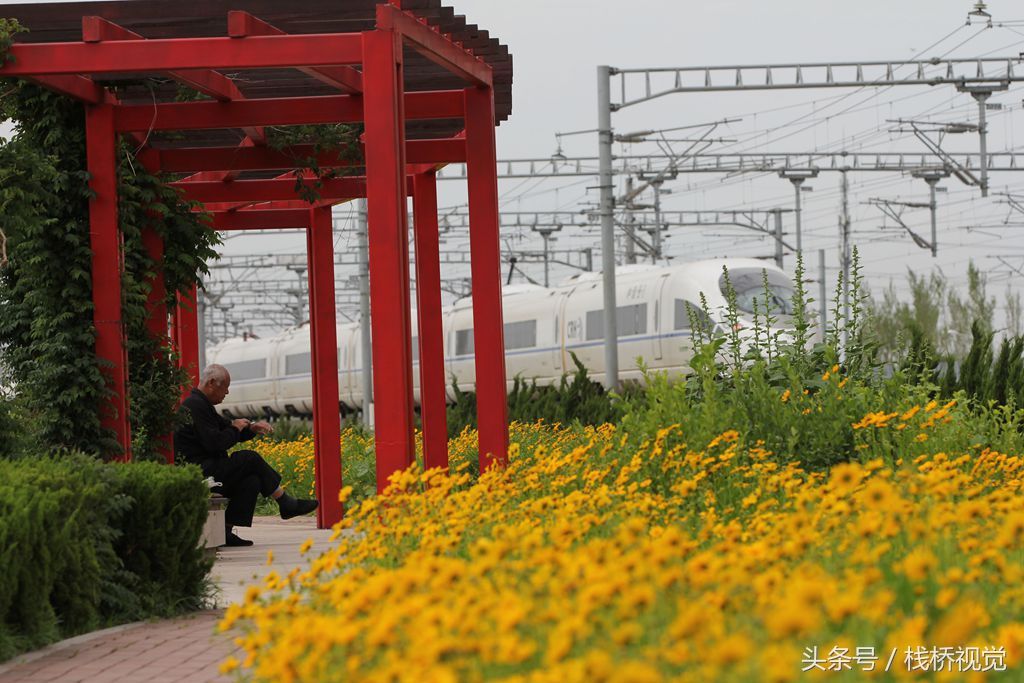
<point>186,649</point>
<point>183,649</point>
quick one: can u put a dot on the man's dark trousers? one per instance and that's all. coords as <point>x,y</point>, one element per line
<point>244,475</point>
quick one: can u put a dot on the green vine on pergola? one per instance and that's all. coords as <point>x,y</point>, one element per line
<point>47,337</point>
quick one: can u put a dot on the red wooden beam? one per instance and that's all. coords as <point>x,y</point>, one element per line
<point>262,190</point>
<point>216,85</point>
<point>133,56</point>
<point>194,159</point>
<point>156,320</point>
<point>243,25</point>
<point>389,256</point>
<point>430,322</point>
<point>278,111</point>
<point>186,336</point>
<point>284,219</point>
<point>485,248</point>
<point>279,205</point>
<point>434,46</point>
<point>323,334</point>
<point>77,87</point>
<point>107,268</point>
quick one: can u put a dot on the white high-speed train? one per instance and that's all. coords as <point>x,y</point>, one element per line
<point>542,325</point>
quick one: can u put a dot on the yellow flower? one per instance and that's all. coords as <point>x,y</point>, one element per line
<point>918,564</point>
<point>306,545</point>
<point>228,665</point>
<point>846,477</point>
<point>960,624</point>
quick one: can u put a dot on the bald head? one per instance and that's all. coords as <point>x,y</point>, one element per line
<point>214,383</point>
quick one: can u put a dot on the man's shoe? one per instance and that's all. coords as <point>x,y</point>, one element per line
<point>233,541</point>
<point>293,507</point>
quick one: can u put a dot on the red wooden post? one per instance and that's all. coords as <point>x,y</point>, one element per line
<point>107,266</point>
<point>430,321</point>
<point>323,335</point>
<point>187,328</point>
<point>488,330</point>
<point>156,304</point>
<point>389,253</point>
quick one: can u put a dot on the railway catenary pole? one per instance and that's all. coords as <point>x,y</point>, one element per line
<point>844,238</point>
<point>778,238</point>
<point>604,132</point>
<point>822,293</point>
<point>366,376</point>
<point>630,226</point>
<point>981,93</point>
<point>656,234</point>
<point>797,182</point>
<point>933,207</point>
<point>797,177</point>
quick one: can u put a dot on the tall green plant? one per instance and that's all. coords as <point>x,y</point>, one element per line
<point>47,336</point>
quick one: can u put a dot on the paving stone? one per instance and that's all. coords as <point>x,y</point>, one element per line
<point>186,649</point>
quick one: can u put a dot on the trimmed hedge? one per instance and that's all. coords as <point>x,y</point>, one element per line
<point>85,545</point>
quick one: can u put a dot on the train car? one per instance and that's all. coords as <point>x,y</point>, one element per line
<point>656,310</point>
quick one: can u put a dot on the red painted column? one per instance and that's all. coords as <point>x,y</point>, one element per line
<point>187,328</point>
<point>488,329</point>
<point>107,267</point>
<point>430,321</point>
<point>156,304</point>
<point>389,253</point>
<point>323,335</point>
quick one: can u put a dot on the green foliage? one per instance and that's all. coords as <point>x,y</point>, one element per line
<point>938,312</point>
<point>8,29</point>
<point>290,429</point>
<point>46,331</point>
<point>985,376</point>
<point>47,336</point>
<point>78,540</point>
<point>340,138</point>
<point>771,385</point>
<point>575,400</point>
<point>160,531</point>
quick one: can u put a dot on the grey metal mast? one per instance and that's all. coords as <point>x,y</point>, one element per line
<point>604,133</point>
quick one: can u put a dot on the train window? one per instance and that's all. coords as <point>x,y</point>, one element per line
<point>415,349</point>
<point>687,310</point>
<point>629,320</point>
<point>247,369</point>
<point>298,364</point>
<point>520,335</point>
<point>464,342</point>
<point>749,286</point>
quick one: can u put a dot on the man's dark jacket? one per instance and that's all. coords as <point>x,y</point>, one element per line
<point>206,435</point>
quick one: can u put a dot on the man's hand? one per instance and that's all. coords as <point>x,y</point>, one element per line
<point>262,427</point>
<point>240,424</point>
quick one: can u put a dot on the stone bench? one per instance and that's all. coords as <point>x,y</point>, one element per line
<point>213,530</point>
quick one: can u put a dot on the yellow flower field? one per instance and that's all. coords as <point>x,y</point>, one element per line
<point>700,562</point>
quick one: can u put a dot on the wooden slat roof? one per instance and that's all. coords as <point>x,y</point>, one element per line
<point>54,22</point>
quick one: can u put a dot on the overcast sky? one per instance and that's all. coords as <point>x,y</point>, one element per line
<point>557,46</point>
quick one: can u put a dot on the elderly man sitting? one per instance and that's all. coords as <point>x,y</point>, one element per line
<point>205,440</point>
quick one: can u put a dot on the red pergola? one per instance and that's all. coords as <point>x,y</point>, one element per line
<point>404,66</point>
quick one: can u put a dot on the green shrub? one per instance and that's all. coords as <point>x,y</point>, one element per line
<point>807,403</point>
<point>160,531</point>
<point>85,544</point>
<point>8,429</point>
<point>576,399</point>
